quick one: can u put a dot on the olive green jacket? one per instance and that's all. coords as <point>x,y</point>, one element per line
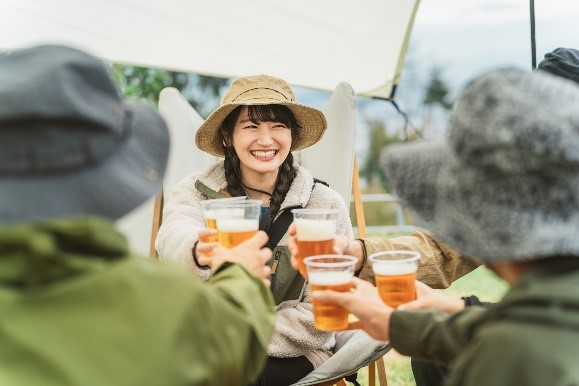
<point>530,338</point>
<point>75,309</point>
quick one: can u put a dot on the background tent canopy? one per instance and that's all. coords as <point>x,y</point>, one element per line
<point>309,43</point>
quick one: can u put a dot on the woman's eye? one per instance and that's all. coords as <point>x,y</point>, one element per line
<point>279,126</point>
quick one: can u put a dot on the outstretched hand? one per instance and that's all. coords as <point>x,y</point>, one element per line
<point>251,254</point>
<point>365,303</point>
<point>430,299</point>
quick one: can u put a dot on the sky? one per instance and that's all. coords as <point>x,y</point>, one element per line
<point>466,38</point>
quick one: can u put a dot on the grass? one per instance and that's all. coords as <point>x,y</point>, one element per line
<point>481,282</point>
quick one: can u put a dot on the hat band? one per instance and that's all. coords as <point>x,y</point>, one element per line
<point>56,154</point>
<point>275,95</point>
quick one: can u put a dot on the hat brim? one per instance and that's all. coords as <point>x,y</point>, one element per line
<point>485,214</point>
<point>312,122</point>
<point>110,189</point>
<point>426,181</point>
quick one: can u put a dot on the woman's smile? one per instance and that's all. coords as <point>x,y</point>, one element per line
<point>264,154</point>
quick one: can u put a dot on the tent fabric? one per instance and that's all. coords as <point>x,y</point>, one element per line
<point>332,158</point>
<point>314,44</point>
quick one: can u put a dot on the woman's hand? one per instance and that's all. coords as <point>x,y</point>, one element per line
<point>206,243</point>
<point>342,246</point>
<point>251,254</point>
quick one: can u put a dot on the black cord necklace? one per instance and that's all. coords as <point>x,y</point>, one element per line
<point>238,174</point>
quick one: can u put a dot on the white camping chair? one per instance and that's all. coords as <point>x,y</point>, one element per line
<point>182,121</point>
<point>354,349</point>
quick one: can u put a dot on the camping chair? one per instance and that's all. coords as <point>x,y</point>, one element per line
<point>354,349</point>
<point>339,139</point>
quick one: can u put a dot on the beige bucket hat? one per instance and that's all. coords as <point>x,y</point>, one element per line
<point>260,90</point>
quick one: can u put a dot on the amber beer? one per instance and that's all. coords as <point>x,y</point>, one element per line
<point>314,237</point>
<point>396,287</point>
<point>210,217</point>
<point>233,231</point>
<point>395,275</point>
<point>330,272</point>
<point>210,223</point>
<point>330,317</point>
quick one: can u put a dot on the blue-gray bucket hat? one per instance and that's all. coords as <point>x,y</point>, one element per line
<point>69,145</point>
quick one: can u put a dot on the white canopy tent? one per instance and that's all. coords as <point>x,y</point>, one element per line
<point>309,43</point>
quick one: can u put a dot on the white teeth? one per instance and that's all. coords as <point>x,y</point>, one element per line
<point>263,154</point>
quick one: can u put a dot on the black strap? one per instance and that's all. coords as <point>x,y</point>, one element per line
<point>279,227</point>
<point>353,378</point>
<point>316,180</point>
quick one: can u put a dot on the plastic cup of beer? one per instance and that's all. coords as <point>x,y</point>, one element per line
<point>395,274</point>
<point>330,272</point>
<point>209,216</point>
<point>315,232</point>
<point>236,221</point>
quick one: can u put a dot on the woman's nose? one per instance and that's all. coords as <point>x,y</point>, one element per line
<point>265,138</point>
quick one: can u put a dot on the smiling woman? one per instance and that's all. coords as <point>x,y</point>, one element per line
<point>256,127</point>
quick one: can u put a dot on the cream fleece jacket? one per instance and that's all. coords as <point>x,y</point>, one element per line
<point>295,334</point>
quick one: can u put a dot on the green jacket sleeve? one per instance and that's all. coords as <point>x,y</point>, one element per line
<point>255,306</point>
<point>229,327</point>
<point>432,336</point>
<point>439,264</point>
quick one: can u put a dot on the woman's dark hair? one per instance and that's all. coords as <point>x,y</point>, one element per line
<point>287,172</point>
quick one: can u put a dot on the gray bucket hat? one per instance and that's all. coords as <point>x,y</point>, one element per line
<point>69,145</point>
<point>505,185</point>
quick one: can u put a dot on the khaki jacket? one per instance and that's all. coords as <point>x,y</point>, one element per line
<point>439,264</point>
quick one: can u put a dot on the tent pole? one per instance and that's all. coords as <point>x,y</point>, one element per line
<point>533,46</point>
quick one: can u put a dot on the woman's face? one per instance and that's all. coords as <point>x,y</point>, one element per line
<point>261,147</point>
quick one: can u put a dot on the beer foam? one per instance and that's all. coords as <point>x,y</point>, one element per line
<point>393,269</point>
<point>237,225</point>
<point>209,214</point>
<point>313,230</point>
<point>230,212</point>
<point>329,278</point>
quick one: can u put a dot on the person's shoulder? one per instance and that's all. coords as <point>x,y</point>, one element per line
<point>323,196</point>
<point>156,270</point>
<point>507,353</point>
<point>326,191</point>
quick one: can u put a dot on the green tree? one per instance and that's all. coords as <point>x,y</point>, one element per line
<point>437,90</point>
<point>379,138</point>
<point>137,82</point>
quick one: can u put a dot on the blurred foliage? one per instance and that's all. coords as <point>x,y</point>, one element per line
<point>376,213</point>
<point>146,83</point>
<point>372,169</point>
<point>437,90</point>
